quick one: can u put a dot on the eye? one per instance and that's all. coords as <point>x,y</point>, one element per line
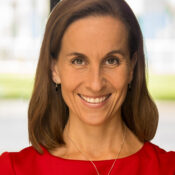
<point>78,61</point>
<point>112,61</point>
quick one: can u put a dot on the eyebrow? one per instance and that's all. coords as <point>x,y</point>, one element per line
<point>108,54</point>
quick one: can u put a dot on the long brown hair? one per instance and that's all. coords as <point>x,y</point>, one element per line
<point>48,113</point>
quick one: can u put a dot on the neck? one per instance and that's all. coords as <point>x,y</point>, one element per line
<point>95,140</point>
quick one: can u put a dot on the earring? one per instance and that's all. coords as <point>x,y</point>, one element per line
<point>56,87</point>
<point>129,86</point>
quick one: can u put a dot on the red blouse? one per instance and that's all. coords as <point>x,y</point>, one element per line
<point>149,160</point>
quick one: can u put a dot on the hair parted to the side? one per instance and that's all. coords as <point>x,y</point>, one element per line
<point>48,113</point>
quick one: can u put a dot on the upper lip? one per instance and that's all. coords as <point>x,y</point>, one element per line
<point>100,96</point>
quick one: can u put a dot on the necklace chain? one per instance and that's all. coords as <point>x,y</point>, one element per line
<point>124,135</point>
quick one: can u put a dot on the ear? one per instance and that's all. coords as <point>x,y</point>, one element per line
<point>132,66</point>
<point>55,72</point>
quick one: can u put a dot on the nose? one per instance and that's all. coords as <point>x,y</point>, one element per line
<point>95,79</point>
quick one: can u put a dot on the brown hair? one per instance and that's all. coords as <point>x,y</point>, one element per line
<point>48,113</point>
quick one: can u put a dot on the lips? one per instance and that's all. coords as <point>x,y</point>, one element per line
<point>95,100</point>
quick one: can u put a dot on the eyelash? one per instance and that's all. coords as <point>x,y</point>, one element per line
<point>77,59</point>
<point>117,61</point>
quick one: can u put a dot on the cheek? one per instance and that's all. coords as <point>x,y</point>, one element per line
<point>70,80</point>
<point>120,78</point>
<point>68,86</point>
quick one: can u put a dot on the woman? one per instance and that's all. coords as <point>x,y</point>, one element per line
<point>90,111</point>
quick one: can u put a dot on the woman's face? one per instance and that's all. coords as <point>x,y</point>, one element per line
<point>94,69</point>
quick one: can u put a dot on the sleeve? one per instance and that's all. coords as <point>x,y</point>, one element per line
<point>168,162</point>
<point>6,167</point>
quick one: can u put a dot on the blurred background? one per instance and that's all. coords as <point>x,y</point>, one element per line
<point>22,26</point>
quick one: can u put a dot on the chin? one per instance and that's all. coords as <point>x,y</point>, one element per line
<point>94,119</point>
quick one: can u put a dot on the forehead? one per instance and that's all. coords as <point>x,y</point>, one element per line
<point>95,34</point>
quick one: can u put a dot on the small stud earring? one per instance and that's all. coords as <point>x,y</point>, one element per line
<point>129,86</point>
<point>56,87</point>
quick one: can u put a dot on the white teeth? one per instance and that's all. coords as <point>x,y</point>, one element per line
<point>94,100</point>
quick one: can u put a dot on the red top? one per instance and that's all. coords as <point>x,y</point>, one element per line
<point>149,160</point>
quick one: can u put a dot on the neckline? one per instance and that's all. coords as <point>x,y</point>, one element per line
<point>76,160</point>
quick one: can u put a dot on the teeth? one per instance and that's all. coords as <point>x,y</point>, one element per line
<point>94,100</point>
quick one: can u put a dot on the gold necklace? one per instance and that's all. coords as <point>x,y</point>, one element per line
<point>124,135</point>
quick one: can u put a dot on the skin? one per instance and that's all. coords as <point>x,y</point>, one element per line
<point>101,67</point>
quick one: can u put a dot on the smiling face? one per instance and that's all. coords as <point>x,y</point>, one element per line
<point>94,69</point>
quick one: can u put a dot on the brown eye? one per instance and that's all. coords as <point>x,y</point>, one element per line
<point>112,61</point>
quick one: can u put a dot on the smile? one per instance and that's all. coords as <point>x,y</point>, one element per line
<point>94,100</point>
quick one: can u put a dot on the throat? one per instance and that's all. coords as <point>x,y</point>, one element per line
<point>94,153</point>
<point>70,154</point>
<point>98,149</point>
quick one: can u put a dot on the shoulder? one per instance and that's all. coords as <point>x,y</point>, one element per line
<point>28,153</point>
<point>158,152</point>
<point>11,162</point>
<point>158,157</point>
<point>5,164</point>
